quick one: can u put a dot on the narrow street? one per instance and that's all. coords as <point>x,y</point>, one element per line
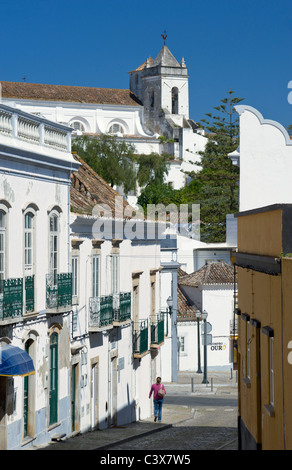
<point>209,418</point>
<point>195,417</point>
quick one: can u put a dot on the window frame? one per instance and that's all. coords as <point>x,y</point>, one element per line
<point>120,130</point>
<point>54,236</point>
<point>75,275</point>
<point>269,407</point>
<point>77,126</point>
<point>115,273</point>
<point>95,275</point>
<point>29,248</point>
<point>3,234</point>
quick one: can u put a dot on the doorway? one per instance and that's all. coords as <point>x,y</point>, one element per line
<point>114,390</point>
<point>53,399</point>
<point>94,394</point>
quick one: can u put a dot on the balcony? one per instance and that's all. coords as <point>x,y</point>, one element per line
<point>58,292</point>
<point>33,129</point>
<point>122,308</point>
<point>157,332</point>
<point>11,300</point>
<point>233,327</point>
<point>101,313</point>
<point>140,339</point>
<point>29,294</point>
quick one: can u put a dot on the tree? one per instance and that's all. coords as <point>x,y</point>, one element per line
<point>218,178</point>
<point>152,169</point>
<point>111,158</point>
<point>158,194</point>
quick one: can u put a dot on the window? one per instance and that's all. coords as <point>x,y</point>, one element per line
<point>246,341</point>
<point>270,393</point>
<point>271,347</point>
<point>248,350</point>
<point>95,275</point>
<point>75,275</point>
<point>152,99</point>
<point>28,242</point>
<point>116,128</point>
<point>77,126</point>
<point>182,344</point>
<point>2,244</point>
<point>53,245</point>
<point>115,273</point>
<point>174,100</point>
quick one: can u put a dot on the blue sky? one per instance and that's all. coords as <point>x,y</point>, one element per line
<point>243,45</point>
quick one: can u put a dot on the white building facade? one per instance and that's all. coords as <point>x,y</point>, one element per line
<point>84,306</point>
<point>209,289</point>
<point>35,170</point>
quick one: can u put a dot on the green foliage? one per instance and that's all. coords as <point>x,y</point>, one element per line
<point>111,158</point>
<point>218,177</point>
<point>158,194</point>
<point>152,169</point>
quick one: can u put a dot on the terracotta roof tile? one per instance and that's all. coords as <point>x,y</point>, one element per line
<point>75,94</point>
<point>185,310</point>
<point>142,66</point>
<point>211,273</point>
<point>88,189</point>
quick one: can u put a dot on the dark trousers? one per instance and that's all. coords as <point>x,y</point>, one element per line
<point>158,408</point>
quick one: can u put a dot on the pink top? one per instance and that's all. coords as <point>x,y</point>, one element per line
<point>154,390</point>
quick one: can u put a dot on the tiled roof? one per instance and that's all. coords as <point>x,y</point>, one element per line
<point>88,189</point>
<point>211,273</point>
<point>185,310</point>
<point>75,94</point>
<point>142,66</point>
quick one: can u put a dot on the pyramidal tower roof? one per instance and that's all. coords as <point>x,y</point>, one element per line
<point>165,58</point>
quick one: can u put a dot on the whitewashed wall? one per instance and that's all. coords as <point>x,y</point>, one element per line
<point>265,161</point>
<point>135,377</point>
<point>218,302</point>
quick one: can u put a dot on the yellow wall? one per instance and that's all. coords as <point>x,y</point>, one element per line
<point>287,351</point>
<point>261,233</point>
<point>260,296</point>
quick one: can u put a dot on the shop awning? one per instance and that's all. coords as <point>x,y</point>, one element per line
<point>15,361</point>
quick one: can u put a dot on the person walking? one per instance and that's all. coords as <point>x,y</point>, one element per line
<point>159,392</point>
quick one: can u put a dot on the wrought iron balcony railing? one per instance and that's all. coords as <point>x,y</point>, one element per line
<point>101,313</point>
<point>58,290</point>
<point>157,331</point>
<point>29,293</point>
<point>233,326</point>
<point>140,338</point>
<point>166,317</point>
<point>11,298</point>
<point>122,307</point>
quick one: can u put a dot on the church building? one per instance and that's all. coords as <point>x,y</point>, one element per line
<point>153,114</point>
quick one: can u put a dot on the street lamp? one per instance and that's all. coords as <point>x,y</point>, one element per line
<point>204,317</point>
<point>170,304</point>
<point>199,317</point>
<point>174,351</point>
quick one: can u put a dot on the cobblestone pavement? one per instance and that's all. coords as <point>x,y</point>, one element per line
<point>208,429</point>
<point>195,416</point>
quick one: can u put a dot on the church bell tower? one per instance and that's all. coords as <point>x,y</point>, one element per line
<point>162,86</point>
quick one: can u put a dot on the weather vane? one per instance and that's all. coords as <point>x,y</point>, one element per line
<point>164,36</point>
